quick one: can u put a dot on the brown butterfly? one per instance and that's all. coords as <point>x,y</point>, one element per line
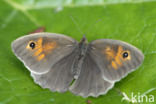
<point>60,63</point>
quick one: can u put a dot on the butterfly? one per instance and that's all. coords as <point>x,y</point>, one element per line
<point>60,63</point>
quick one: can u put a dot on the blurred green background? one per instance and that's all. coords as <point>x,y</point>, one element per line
<point>132,21</point>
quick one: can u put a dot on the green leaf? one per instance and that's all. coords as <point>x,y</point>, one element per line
<point>127,20</point>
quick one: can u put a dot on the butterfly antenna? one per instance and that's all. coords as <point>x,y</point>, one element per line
<point>91,27</point>
<point>76,24</point>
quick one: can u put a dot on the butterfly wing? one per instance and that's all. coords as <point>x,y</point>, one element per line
<point>106,61</point>
<point>115,58</point>
<point>90,81</point>
<point>40,51</point>
<point>59,77</point>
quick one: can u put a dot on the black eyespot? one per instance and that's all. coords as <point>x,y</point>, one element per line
<point>32,45</point>
<point>125,54</point>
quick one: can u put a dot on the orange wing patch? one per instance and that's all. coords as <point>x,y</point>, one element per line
<point>40,57</point>
<point>48,47</point>
<point>118,56</point>
<point>114,65</point>
<point>115,58</point>
<point>110,53</point>
<point>44,49</point>
<point>40,49</point>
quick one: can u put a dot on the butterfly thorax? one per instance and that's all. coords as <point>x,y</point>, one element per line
<point>81,52</point>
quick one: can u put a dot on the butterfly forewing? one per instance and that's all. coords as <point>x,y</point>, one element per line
<point>40,51</point>
<point>115,58</point>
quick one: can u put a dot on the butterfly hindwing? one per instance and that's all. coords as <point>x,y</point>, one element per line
<point>90,81</point>
<point>59,77</point>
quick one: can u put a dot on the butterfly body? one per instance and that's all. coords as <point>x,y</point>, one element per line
<point>55,60</point>
<point>80,55</point>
